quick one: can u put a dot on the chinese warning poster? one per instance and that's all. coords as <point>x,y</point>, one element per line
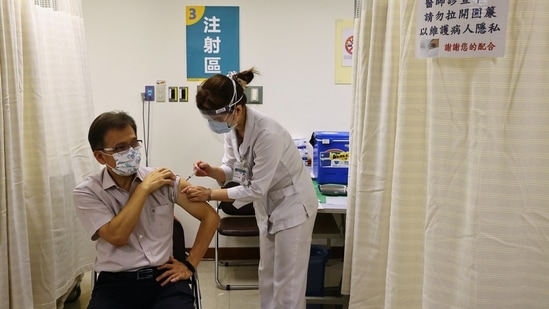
<point>461,28</point>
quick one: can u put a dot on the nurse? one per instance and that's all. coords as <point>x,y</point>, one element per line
<point>261,155</point>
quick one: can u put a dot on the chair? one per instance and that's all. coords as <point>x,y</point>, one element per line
<point>180,254</point>
<point>238,222</point>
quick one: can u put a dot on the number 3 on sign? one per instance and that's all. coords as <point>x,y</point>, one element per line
<point>194,14</point>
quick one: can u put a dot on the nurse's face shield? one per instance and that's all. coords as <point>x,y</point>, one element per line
<point>221,114</point>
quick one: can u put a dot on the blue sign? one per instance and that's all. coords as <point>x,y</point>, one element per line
<point>213,44</point>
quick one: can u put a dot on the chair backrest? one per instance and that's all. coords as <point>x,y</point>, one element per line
<point>228,207</point>
<point>178,241</point>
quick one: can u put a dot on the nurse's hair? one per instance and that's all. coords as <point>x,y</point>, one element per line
<point>217,91</point>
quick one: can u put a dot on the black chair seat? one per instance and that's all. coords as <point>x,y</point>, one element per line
<point>238,226</point>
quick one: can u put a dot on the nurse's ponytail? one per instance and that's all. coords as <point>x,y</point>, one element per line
<point>245,77</point>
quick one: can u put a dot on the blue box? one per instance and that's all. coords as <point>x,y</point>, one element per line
<point>330,156</point>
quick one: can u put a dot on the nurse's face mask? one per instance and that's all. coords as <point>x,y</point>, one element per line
<point>221,127</point>
<point>222,120</point>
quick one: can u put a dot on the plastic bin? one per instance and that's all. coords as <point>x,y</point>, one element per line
<point>315,274</point>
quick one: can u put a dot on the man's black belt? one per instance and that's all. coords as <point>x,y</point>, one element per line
<point>140,274</point>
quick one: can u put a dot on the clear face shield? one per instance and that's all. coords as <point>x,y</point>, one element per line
<point>220,120</point>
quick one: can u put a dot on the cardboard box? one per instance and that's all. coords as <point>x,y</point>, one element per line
<point>330,156</point>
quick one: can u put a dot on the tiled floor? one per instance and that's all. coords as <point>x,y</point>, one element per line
<point>214,298</point>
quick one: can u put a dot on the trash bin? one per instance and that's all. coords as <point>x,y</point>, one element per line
<point>315,274</point>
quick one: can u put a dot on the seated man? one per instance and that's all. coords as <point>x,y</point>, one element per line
<point>129,210</point>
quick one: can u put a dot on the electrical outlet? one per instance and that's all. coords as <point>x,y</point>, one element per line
<point>160,91</point>
<point>173,94</point>
<point>149,93</point>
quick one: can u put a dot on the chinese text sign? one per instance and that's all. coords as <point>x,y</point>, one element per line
<point>212,41</point>
<point>461,28</point>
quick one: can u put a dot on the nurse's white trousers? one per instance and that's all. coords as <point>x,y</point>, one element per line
<point>283,267</point>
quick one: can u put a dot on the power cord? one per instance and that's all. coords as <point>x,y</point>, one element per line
<point>146,133</point>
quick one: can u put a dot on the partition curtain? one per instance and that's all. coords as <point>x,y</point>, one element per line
<point>45,112</point>
<point>449,174</point>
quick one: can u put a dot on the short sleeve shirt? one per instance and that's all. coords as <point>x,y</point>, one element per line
<point>98,199</point>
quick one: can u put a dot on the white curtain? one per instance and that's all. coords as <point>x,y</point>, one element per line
<point>46,109</point>
<point>449,176</point>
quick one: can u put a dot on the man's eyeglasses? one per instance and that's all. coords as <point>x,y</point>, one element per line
<point>123,147</point>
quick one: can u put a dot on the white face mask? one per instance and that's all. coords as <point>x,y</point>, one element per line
<point>221,127</point>
<point>127,162</point>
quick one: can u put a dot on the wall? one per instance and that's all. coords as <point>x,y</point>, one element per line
<point>133,43</point>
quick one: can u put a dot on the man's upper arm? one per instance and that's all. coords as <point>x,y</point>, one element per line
<point>198,210</point>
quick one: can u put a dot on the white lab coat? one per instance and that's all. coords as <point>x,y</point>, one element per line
<point>278,182</point>
<point>285,204</point>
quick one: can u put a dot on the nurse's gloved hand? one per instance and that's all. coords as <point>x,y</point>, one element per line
<point>197,193</point>
<point>202,168</point>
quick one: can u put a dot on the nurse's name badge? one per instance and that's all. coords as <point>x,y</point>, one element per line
<point>240,172</point>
